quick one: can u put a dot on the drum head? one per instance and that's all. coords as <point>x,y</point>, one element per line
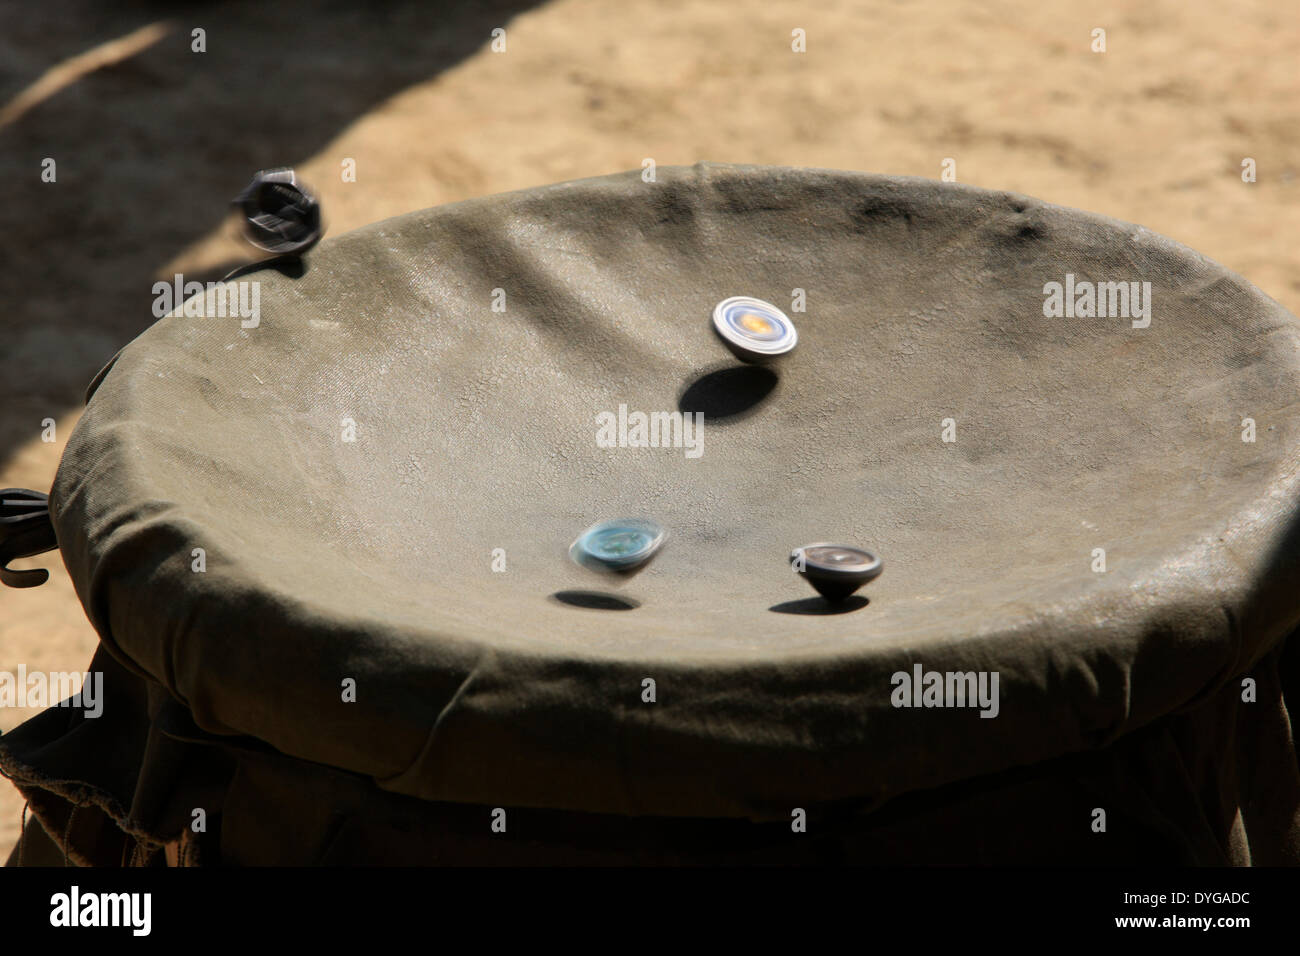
<point>373,483</point>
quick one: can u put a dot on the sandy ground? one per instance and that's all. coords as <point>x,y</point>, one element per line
<point>151,140</point>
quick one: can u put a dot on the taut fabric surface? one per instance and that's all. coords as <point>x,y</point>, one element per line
<point>476,429</point>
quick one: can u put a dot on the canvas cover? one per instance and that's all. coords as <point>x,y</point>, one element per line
<point>467,351</point>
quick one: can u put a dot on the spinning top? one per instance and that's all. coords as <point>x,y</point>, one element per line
<point>620,547</point>
<point>754,330</point>
<point>280,215</point>
<point>835,570</point>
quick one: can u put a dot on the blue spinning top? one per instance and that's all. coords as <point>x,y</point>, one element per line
<point>620,546</point>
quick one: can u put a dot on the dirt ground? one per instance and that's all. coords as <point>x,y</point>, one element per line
<point>152,139</point>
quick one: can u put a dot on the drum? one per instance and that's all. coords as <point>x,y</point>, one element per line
<point>320,518</point>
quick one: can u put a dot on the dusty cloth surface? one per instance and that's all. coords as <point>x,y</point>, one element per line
<point>475,430</point>
<point>1213,785</point>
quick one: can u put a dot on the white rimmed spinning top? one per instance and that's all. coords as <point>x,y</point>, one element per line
<point>754,330</point>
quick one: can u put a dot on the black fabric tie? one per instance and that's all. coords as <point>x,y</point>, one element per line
<point>25,530</point>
